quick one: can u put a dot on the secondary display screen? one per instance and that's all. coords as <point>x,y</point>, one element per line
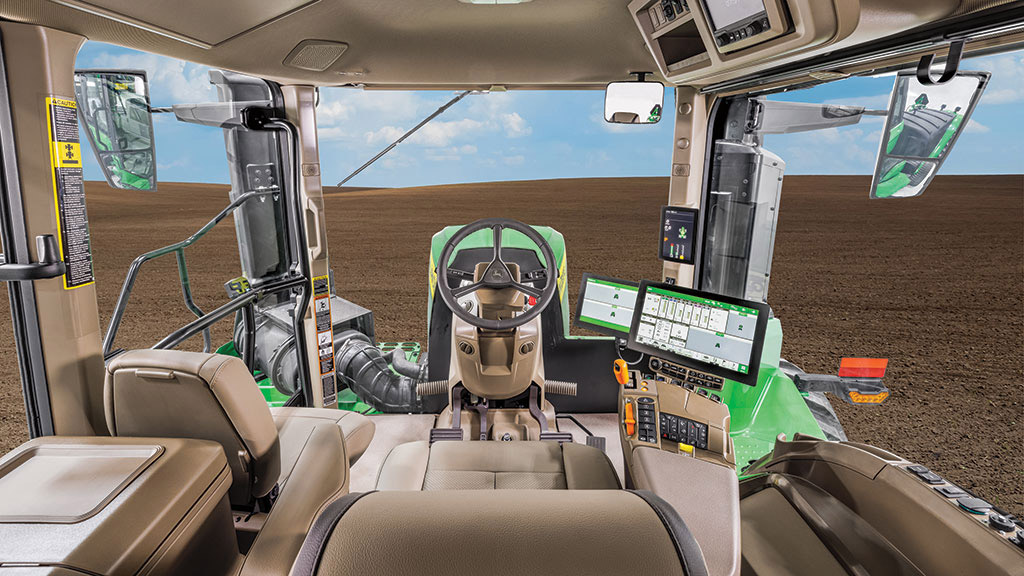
<point>678,234</point>
<point>606,305</point>
<point>704,331</point>
<point>725,13</point>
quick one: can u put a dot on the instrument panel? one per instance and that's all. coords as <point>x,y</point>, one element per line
<point>669,417</point>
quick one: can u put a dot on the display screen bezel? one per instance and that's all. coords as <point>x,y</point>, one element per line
<point>716,28</point>
<point>596,327</point>
<point>661,234</point>
<point>760,329</point>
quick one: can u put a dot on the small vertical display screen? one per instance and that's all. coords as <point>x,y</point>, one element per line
<point>678,234</point>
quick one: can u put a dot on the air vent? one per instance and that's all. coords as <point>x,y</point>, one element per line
<point>315,55</point>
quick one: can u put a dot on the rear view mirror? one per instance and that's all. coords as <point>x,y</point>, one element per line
<point>633,102</point>
<point>922,125</point>
<point>113,106</point>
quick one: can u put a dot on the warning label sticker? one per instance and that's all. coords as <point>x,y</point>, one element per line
<point>324,336</point>
<point>69,192</point>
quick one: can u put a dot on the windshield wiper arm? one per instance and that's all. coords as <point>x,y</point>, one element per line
<point>425,121</point>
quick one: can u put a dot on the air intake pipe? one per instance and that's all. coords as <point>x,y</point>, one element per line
<point>366,370</point>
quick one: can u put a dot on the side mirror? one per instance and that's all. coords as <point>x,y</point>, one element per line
<point>633,102</point>
<point>113,106</point>
<point>922,125</point>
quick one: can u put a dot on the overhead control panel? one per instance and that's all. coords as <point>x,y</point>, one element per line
<point>736,24</point>
<point>700,39</point>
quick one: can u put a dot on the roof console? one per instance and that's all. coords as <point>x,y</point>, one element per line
<point>696,39</point>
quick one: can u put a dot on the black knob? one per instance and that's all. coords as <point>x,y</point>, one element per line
<point>1000,522</point>
<point>655,364</point>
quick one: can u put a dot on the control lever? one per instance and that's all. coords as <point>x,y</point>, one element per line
<point>49,265</point>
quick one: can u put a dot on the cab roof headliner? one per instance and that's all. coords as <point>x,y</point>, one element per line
<point>393,43</point>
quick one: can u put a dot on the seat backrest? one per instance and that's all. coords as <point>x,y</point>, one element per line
<point>500,532</point>
<point>175,394</point>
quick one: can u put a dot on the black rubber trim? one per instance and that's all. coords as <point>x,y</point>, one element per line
<point>308,560</point>
<point>690,555</point>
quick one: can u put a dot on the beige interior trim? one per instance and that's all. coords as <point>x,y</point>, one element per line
<point>300,110</point>
<point>40,62</point>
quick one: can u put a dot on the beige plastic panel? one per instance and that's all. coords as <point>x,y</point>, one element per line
<point>300,110</point>
<point>173,517</point>
<point>687,177</point>
<point>40,62</point>
<point>208,22</point>
<point>68,483</point>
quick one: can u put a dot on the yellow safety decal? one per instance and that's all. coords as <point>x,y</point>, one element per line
<point>325,337</point>
<point>562,280</point>
<point>69,192</point>
<point>432,274</point>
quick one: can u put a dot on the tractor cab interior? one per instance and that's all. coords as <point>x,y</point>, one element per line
<point>676,441</point>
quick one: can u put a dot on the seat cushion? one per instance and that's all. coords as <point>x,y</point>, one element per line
<point>496,466</point>
<point>501,533</point>
<point>293,422</point>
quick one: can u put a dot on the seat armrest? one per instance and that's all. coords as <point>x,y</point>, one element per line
<point>319,476</point>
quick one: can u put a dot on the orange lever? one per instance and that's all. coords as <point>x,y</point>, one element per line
<point>621,371</point>
<point>630,420</point>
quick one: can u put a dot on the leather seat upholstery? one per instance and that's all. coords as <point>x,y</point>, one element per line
<point>503,533</point>
<point>496,465</point>
<point>176,394</point>
<point>293,423</point>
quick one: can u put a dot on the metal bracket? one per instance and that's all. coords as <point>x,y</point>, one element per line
<point>924,67</point>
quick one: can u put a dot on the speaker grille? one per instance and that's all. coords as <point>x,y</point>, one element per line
<point>315,55</point>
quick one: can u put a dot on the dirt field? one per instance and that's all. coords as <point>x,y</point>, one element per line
<point>936,284</point>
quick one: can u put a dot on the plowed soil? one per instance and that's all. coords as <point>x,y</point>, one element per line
<point>935,284</point>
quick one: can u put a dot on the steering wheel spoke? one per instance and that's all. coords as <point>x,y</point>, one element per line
<point>496,231</point>
<point>467,289</point>
<point>528,290</point>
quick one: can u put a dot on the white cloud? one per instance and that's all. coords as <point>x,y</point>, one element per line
<point>975,127</point>
<point>366,120</point>
<point>517,160</point>
<point>515,125</point>
<point>171,81</point>
<point>1007,83</point>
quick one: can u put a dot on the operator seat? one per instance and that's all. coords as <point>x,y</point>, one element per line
<point>506,533</point>
<point>297,455</point>
<point>496,465</point>
<point>176,394</point>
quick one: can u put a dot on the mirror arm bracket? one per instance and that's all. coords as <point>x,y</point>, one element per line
<point>924,67</point>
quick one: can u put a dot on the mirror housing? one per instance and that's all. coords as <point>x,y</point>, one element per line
<point>113,107</point>
<point>922,125</point>
<point>634,102</point>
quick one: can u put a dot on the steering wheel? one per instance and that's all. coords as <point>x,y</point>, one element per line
<point>497,275</point>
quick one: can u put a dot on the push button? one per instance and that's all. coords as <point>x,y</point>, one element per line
<point>974,505</point>
<point>931,478</point>
<point>950,491</point>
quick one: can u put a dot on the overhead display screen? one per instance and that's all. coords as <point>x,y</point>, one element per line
<point>707,332</point>
<point>678,234</point>
<point>725,13</point>
<point>606,305</point>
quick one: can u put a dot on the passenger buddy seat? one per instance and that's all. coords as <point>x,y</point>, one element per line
<point>295,458</point>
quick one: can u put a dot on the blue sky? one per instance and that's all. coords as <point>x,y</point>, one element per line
<point>555,134</point>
